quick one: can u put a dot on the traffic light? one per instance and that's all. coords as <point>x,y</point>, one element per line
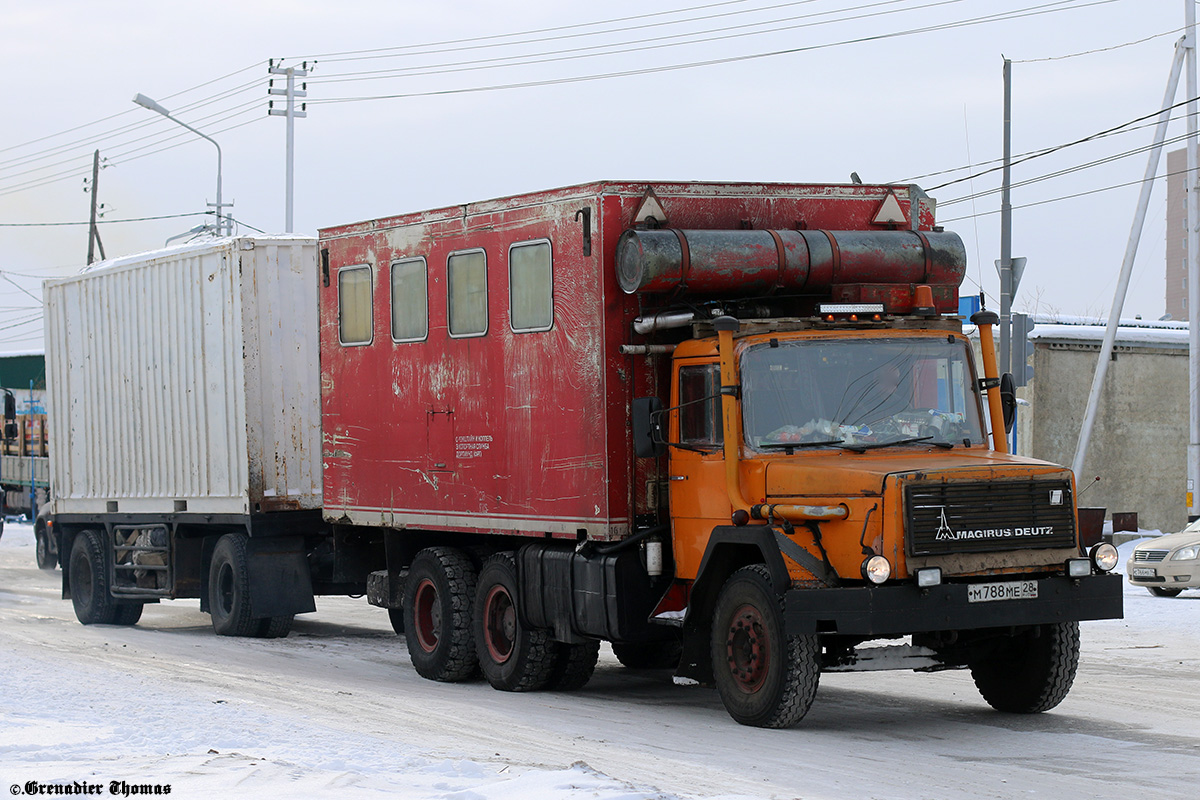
<point>1022,349</point>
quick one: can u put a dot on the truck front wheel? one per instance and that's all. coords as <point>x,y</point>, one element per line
<point>438,595</point>
<point>512,656</point>
<point>1027,672</point>
<point>766,678</point>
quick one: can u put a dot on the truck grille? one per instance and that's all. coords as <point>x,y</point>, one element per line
<point>1149,556</point>
<point>946,518</point>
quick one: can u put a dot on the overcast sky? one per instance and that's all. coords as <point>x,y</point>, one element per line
<point>803,91</point>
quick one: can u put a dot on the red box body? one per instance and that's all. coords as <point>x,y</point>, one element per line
<point>520,433</point>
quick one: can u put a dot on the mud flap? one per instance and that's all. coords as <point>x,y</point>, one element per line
<point>280,578</point>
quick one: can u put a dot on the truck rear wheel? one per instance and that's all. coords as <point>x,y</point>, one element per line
<point>766,679</point>
<point>90,595</point>
<point>573,666</point>
<point>438,595</point>
<point>229,588</point>
<point>1029,672</point>
<point>513,657</point>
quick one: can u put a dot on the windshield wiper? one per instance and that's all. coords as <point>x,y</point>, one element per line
<point>789,446</point>
<point>863,447</point>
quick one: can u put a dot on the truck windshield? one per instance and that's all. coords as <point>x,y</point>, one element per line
<point>862,391</point>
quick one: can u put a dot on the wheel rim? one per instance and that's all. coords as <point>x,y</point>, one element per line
<point>225,589</point>
<point>748,648</point>
<point>42,550</point>
<point>427,615</point>
<point>499,624</point>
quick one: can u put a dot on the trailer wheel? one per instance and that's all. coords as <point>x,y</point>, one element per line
<point>662,654</point>
<point>1029,672</point>
<point>275,627</point>
<point>90,595</point>
<point>513,657</point>
<point>229,588</point>
<point>766,678</point>
<point>438,594</point>
<point>47,559</point>
<point>128,613</point>
<point>573,665</point>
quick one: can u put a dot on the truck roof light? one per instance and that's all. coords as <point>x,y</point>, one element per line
<point>850,308</point>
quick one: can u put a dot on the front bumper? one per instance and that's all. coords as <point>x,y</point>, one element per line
<point>1166,574</point>
<point>901,609</point>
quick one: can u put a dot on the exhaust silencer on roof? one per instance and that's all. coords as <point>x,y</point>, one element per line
<point>844,266</point>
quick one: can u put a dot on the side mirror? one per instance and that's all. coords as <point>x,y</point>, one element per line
<point>648,439</point>
<point>10,416</point>
<point>1008,400</point>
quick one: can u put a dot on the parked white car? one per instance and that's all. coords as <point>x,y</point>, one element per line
<point>1168,564</point>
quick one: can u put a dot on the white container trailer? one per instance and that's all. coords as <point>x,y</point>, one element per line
<point>187,379</point>
<point>184,388</point>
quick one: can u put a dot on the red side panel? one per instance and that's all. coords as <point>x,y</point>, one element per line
<point>523,433</point>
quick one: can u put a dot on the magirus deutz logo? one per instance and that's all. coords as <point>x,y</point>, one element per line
<point>945,533</point>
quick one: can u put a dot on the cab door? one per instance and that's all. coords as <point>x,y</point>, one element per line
<point>696,474</point>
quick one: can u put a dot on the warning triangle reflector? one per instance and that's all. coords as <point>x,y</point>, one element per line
<point>889,212</point>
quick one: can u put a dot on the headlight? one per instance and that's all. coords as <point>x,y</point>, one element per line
<point>1104,556</point>
<point>876,569</point>
<point>1186,553</point>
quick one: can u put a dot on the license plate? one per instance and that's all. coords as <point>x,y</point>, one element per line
<point>1144,572</point>
<point>1009,590</point>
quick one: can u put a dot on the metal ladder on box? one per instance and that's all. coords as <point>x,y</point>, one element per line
<point>137,571</point>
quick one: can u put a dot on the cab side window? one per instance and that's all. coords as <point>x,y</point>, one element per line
<point>700,405</point>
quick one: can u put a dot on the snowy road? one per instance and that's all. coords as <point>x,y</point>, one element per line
<point>335,710</point>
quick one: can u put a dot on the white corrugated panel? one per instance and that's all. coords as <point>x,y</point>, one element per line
<point>189,374</point>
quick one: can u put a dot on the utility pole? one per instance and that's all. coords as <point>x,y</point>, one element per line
<point>1010,268</point>
<point>291,93</point>
<point>1135,235</point>
<point>1193,268</point>
<point>93,231</point>
<point>1005,265</point>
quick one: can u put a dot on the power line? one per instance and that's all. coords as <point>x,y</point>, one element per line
<point>1098,49</point>
<point>80,172</point>
<point>49,136</point>
<point>1047,151</point>
<point>354,55</point>
<point>1070,170</point>
<point>98,222</point>
<point>1138,182</point>
<point>1029,11</point>
<point>632,46</point>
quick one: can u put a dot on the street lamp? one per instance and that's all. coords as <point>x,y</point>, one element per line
<point>146,102</point>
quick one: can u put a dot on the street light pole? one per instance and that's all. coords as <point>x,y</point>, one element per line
<point>146,102</point>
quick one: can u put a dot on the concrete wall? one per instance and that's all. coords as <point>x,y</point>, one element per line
<point>1139,442</point>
